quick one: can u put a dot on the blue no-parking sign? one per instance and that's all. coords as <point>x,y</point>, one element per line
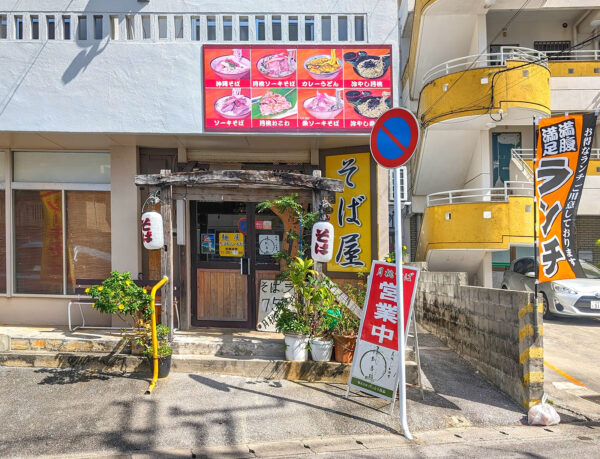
<point>394,137</point>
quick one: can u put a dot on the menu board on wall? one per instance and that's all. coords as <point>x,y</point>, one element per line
<point>296,88</point>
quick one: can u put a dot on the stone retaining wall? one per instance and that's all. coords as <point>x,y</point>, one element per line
<point>490,328</point>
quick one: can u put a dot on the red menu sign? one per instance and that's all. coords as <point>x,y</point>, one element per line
<point>380,317</point>
<point>295,88</point>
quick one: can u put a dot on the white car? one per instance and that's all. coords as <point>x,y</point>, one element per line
<point>570,297</point>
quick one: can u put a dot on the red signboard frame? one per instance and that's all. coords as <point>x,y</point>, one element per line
<point>379,293</point>
<point>297,88</point>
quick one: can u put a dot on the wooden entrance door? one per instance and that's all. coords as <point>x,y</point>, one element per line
<point>231,249</point>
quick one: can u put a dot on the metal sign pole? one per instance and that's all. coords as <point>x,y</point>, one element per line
<point>400,302</point>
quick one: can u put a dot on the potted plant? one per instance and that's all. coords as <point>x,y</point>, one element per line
<point>293,314</point>
<point>348,324</point>
<point>344,336</point>
<point>118,294</point>
<point>324,319</point>
<point>144,340</point>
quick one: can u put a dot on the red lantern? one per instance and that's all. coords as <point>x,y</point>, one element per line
<point>152,230</point>
<point>321,247</point>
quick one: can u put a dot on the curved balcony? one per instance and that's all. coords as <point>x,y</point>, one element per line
<point>576,63</point>
<point>482,84</point>
<point>479,219</point>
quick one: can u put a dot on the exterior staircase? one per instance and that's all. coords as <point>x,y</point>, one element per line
<point>213,351</point>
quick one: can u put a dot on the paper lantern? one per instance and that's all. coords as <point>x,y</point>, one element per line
<point>321,247</point>
<point>152,230</point>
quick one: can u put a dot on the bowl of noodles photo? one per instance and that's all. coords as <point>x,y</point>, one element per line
<point>323,66</point>
<point>370,106</point>
<point>368,66</point>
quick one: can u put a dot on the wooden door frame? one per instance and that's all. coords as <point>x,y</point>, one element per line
<point>251,312</point>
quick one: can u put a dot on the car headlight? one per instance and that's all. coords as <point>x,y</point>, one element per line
<point>562,289</point>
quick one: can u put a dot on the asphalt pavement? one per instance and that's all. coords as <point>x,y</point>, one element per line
<point>59,411</point>
<point>572,365</point>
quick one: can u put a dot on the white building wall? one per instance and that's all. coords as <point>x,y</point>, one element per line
<point>141,86</point>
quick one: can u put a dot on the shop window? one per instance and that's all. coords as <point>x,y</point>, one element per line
<point>3,27</point>
<point>61,231</point>
<point>130,26</point>
<point>66,27</point>
<point>162,27</point>
<point>19,27</point>
<point>359,28</point>
<point>309,28</point>
<point>276,28</point>
<point>87,236</point>
<point>342,28</point>
<point>326,28</point>
<point>178,27</point>
<point>293,28</point>
<point>61,167</point>
<point>51,27</point>
<point>244,29</point>
<point>82,28</point>
<point>211,27</point>
<point>146,32</point>
<point>38,241</point>
<point>97,27</point>
<point>35,28</point>
<point>260,28</point>
<point>227,28</point>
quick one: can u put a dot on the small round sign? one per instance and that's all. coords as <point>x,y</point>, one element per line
<point>243,225</point>
<point>394,137</point>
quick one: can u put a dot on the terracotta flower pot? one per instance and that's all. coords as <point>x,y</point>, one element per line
<point>344,348</point>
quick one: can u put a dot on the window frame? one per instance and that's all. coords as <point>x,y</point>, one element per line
<point>9,185</point>
<point>50,26</point>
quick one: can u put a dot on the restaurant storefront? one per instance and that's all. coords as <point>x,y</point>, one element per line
<point>164,86</point>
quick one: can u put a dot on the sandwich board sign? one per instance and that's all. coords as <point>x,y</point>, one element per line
<point>375,367</point>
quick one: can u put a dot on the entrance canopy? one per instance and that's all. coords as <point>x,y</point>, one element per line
<point>242,186</point>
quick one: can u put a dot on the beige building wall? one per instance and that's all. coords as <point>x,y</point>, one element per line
<point>125,214</point>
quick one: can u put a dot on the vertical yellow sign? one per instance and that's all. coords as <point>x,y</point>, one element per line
<point>351,215</point>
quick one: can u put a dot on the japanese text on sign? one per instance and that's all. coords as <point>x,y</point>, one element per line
<point>352,212</point>
<point>311,88</point>
<point>375,368</point>
<point>563,153</point>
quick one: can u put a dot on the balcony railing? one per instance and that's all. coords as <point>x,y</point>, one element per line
<point>526,154</point>
<point>507,53</point>
<point>471,195</point>
<point>575,55</point>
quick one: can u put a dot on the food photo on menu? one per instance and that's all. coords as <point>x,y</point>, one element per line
<point>323,104</point>
<point>275,63</point>
<point>228,108</point>
<point>226,65</point>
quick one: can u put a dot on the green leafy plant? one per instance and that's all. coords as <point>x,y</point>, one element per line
<point>302,217</point>
<point>144,340</point>
<point>118,294</point>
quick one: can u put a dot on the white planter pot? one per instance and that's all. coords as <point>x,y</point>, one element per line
<point>295,348</point>
<point>321,349</point>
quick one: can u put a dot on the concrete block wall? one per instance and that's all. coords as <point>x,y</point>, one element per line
<point>490,328</point>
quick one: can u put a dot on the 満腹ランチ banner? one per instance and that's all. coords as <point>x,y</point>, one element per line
<point>564,146</point>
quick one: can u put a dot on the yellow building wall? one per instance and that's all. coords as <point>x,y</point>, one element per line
<point>580,68</point>
<point>470,97</point>
<point>510,223</point>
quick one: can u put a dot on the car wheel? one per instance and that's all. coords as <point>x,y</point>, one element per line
<point>547,313</point>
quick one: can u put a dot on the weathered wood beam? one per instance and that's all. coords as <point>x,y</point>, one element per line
<point>243,178</point>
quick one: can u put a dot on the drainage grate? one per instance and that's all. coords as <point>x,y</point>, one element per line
<point>592,398</point>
